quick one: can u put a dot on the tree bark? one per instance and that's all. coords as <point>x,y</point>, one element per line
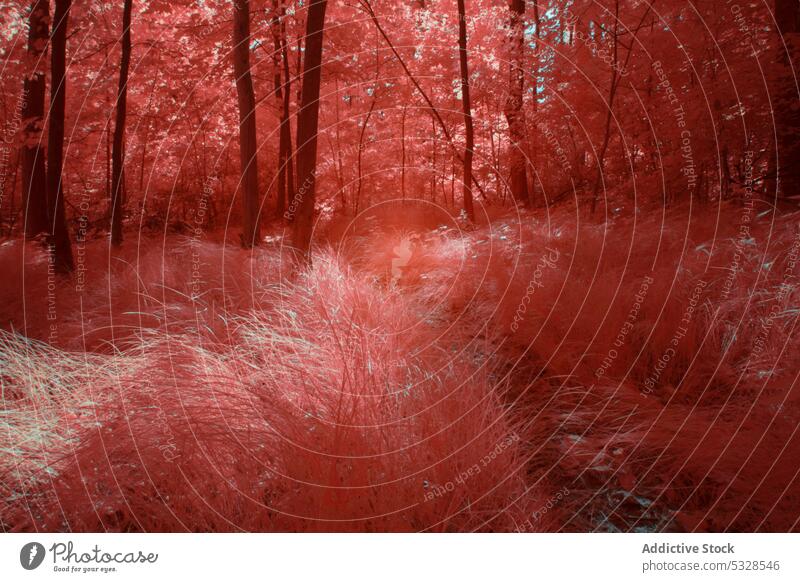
<point>403,163</point>
<point>34,177</point>
<point>513,108</point>
<point>363,133</point>
<point>275,25</point>
<point>60,244</point>
<point>251,234</point>
<point>286,124</point>
<point>467,107</point>
<point>307,127</point>
<point>118,153</point>
<point>786,161</point>
<point>336,147</point>
<point>360,156</point>
<point>532,144</point>
<point>609,111</point>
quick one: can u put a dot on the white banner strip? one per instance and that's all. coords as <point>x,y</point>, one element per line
<point>400,557</point>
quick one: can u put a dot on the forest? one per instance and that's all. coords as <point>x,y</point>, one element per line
<point>399,266</point>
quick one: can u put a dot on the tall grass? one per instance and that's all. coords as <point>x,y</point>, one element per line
<point>532,374</point>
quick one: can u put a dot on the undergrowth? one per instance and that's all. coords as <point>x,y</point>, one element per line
<point>534,374</point>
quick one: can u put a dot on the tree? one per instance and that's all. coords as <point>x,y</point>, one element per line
<point>787,113</point>
<point>60,245</point>
<point>247,124</point>
<point>363,132</point>
<point>118,172</point>
<point>467,107</point>
<point>307,127</point>
<point>616,78</point>
<point>513,107</point>
<point>612,92</point>
<point>283,89</point>
<point>34,179</point>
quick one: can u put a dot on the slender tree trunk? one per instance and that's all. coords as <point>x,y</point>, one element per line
<point>467,107</point>
<point>726,173</point>
<point>496,163</point>
<point>275,25</point>
<point>60,245</point>
<point>247,124</point>
<point>513,107</point>
<point>109,191</point>
<point>372,105</point>
<point>786,163</point>
<point>609,112</point>
<point>360,155</point>
<point>298,68</point>
<point>117,161</point>
<point>12,213</point>
<point>146,140</point>
<point>34,177</point>
<point>615,80</point>
<point>437,118</point>
<point>403,143</point>
<point>433,160</point>
<point>337,149</point>
<point>453,185</point>
<point>307,127</point>
<point>532,144</point>
<point>286,124</point>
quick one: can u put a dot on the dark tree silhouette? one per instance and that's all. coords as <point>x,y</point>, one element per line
<point>786,95</point>
<point>247,124</point>
<point>34,179</point>
<point>60,244</point>
<point>117,157</point>
<point>467,106</point>
<point>513,109</point>
<point>307,126</point>
<point>283,89</point>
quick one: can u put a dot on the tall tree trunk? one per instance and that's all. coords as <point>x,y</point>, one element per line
<point>467,107</point>
<point>307,127</point>
<point>496,163</point>
<point>117,156</point>
<point>109,191</point>
<point>532,144</point>
<point>403,163</point>
<point>275,25</point>
<point>616,78</point>
<point>60,245</point>
<point>146,140</point>
<point>437,118</point>
<point>453,184</point>
<point>337,149</point>
<point>367,7</point>
<point>609,110</point>
<point>786,163</point>
<point>34,177</point>
<point>433,160</point>
<point>360,154</point>
<point>286,124</point>
<point>251,234</point>
<point>12,218</point>
<point>513,107</point>
<point>298,67</point>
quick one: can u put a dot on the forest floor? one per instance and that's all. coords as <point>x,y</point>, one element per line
<point>541,372</point>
